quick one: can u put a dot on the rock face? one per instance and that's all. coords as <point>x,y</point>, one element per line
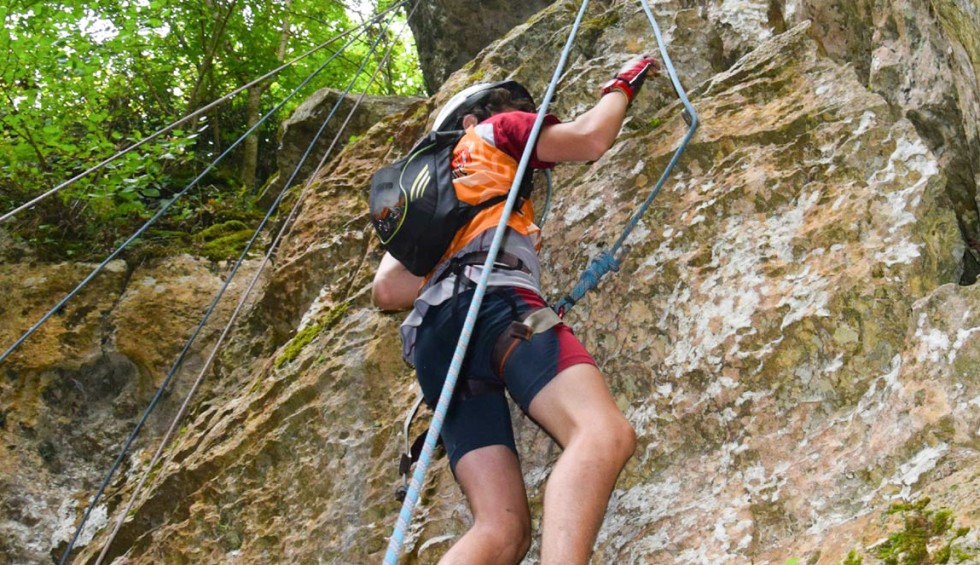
<point>73,392</point>
<point>449,34</point>
<point>304,124</point>
<point>924,59</point>
<point>787,334</point>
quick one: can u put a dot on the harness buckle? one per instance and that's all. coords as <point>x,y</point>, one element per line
<point>531,323</point>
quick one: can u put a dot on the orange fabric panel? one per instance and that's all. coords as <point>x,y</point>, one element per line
<point>481,172</point>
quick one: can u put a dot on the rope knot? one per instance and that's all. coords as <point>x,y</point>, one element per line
<point>605,262</point>
<point>599,266</point>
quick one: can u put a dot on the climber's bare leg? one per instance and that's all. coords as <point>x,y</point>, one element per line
<point>577,409</point>
<point>492,481</point>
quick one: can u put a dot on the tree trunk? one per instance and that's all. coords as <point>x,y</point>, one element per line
<point>250,158</point>
<point>207,62</point>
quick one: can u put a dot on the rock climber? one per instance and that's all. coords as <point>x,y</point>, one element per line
<point>549,374</point>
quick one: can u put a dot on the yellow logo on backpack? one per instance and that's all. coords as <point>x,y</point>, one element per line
<point>450,188</point>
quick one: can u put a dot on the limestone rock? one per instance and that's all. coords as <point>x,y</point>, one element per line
<point>786,333</point>
<point>449,34</point>
<point>923,58</point>
<point>302,126</point>
<point>73,392</point>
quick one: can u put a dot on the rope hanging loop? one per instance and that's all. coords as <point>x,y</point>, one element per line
<point>589,278</point>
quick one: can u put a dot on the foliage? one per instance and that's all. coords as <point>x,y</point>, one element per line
<point>305,336</point>
<point>925,538</point>
<point>853,558</point>
<point>81,80</point>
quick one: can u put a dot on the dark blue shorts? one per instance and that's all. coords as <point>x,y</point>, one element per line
<point>479,415</point>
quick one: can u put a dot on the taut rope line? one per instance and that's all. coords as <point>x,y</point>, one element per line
<point>255,278</point>
<point>415,486</point>
<point>210,310</point>
<point>194,114</point>
<point>163,209</point>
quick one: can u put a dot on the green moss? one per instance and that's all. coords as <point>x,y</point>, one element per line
<point>307,334</point>
<point>151,476</point>
<point>227,247</point>
<point>601,22</point>
<point>963,556</point>
<point>853,558</point>
<point>922,528</point>
<point>164,234</point>
<point>218,231</point>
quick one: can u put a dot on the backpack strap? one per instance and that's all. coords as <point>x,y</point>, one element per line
<point>504,260</point>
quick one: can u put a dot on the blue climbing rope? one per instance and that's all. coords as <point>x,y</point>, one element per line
<point>224,287</point>
<point>439,415</point>
<point>163,209</point>
<point>611,260</point>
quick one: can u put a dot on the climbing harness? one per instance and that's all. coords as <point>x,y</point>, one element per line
<point>200,111</point>
<point>412,450</point>
<point>521,329</point>
<point>225,286</point>
<point>601,264</point>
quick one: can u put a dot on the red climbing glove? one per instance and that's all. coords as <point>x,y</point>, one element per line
<point>630,78</point>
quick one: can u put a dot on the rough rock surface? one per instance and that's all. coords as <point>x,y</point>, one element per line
<point>450,33</point>
<point>924,59</point>
<point>304,124</point>
<point>74,391</point>
<point>787,334</point>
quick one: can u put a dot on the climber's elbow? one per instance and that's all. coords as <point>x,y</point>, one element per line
<point>394,287</point>
<point>390,297</point>
<point>597,145</point>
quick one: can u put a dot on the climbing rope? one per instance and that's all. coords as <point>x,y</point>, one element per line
<point>415,486</point>
<point>265,262</point>
<point>605,261</point>
<point>197,112</point>
<point>163,209</point>
<point>210,310</point>
<point>611,260</point>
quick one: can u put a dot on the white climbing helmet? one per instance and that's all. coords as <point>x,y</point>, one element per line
<point>464,101</point>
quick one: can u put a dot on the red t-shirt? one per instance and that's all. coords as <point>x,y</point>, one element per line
<point>511,131</point>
